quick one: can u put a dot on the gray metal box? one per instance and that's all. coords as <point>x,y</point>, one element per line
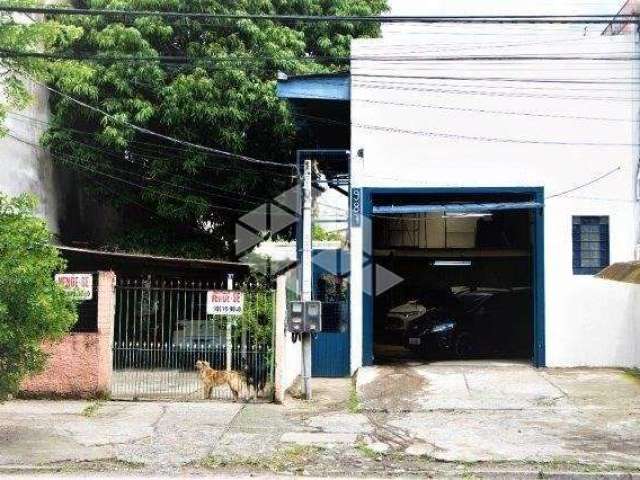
<point>304,317</point>
<point>313,316</point>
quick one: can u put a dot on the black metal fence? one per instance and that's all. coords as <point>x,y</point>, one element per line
<point>162,329</point>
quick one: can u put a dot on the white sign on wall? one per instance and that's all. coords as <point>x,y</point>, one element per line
<point>225,302</point>
<point>80,284</point>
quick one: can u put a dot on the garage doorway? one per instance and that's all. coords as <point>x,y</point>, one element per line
<point>472,275</point>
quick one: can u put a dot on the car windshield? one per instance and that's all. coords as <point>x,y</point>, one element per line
<point>434,298</point>
<point>473,300</point>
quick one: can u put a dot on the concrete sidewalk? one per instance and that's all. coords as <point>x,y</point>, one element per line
<point>505,412</point>
<point>446,418</point>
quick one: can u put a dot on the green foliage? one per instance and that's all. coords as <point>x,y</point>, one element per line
<point>33,308</point>
<point>20,33</point>
<point>321,235</point>
<point>225,97</point>
<point>259,314</point>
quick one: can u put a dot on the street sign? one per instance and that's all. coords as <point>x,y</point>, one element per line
<point>225,302</point>
<point>81,284</point>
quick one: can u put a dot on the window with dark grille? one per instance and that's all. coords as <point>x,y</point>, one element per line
<point>590,244</point>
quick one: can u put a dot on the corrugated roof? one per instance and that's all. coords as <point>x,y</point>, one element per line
<point>627,272</point>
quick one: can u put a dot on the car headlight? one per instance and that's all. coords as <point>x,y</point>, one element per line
<point>443,327</point>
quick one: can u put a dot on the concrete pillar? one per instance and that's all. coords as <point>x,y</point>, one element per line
<point>106,319</point>
<point>288,368</point>
<point>280,337</point>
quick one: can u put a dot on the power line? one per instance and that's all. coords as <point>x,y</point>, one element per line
<point>128,182</point>
<point>186,60</point>
<point>556,195</point>
<point>467,110</point>
<point>525,88</point>
<point>165,182</point>
<point>455,136</point>
<point>606,81</point>
<point>590,182</point>
<point>612,18</point>
<point>144,156</point>
<point>383,86</point>
<point>478,138</point>
<point>168,138</point>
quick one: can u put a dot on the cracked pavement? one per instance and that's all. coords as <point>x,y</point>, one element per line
<point>407,418</point>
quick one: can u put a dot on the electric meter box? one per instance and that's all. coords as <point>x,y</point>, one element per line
<point>295,317</point>
<point>313,316</point>
<point>304,317</point>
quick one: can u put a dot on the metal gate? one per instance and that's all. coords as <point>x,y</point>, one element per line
<point>162,329</point>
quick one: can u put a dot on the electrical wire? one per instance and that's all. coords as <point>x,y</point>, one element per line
<point>427,133</point>
<point>524,88</point>
<point>590,182</point>
<point>608,18</point>
<point>557,195</point>
<point>469,110</point>
<point>580,56</point>
<point>604,81</point>
<point>146,156</point>
<point>407,88</point>
<point>128,182</point>
<point>168,138</point>
<point>478,138</point>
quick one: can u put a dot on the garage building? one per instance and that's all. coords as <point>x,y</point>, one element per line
<point>467,187</point>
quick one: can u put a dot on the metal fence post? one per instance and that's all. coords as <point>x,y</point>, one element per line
<point>229,342</point>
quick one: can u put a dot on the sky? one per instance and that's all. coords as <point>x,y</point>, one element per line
<point>499,7</point>
<point>504,7</point>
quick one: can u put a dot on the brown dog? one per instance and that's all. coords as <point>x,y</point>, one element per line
<point>214,378</point>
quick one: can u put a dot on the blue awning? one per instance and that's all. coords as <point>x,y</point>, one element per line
<point>331,87</point>
<point>456,207</point>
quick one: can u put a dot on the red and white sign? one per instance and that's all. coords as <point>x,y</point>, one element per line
<point>225,302</point>
<point>80,284</point>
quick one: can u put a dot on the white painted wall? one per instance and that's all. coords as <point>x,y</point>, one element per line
<point>288,361</point>
<point>464,144</point>
<point>26,168</point>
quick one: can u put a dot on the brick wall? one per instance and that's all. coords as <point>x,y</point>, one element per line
<point>80,365</point>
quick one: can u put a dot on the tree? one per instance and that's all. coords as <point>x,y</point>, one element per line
<point>33,308</point>
<point>25,33</point>
<point>222,96</point>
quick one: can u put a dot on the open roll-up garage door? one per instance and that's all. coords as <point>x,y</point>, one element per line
<point>471,263</point>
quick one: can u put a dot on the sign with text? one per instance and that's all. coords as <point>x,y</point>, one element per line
<point>356,207</point>
<point>81,284</point>
<point>225,302</point>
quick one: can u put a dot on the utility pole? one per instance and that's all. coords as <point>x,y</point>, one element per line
<point>307,241</point>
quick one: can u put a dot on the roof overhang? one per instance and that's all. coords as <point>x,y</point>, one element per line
<point>145,259</point>
<point>626,272</point>
<point>334,87</point>
<point>456,208</point>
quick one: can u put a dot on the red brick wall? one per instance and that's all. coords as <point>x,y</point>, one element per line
<point>80,365</point>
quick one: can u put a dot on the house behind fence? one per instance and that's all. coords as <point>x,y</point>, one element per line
<point>141,336</point>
